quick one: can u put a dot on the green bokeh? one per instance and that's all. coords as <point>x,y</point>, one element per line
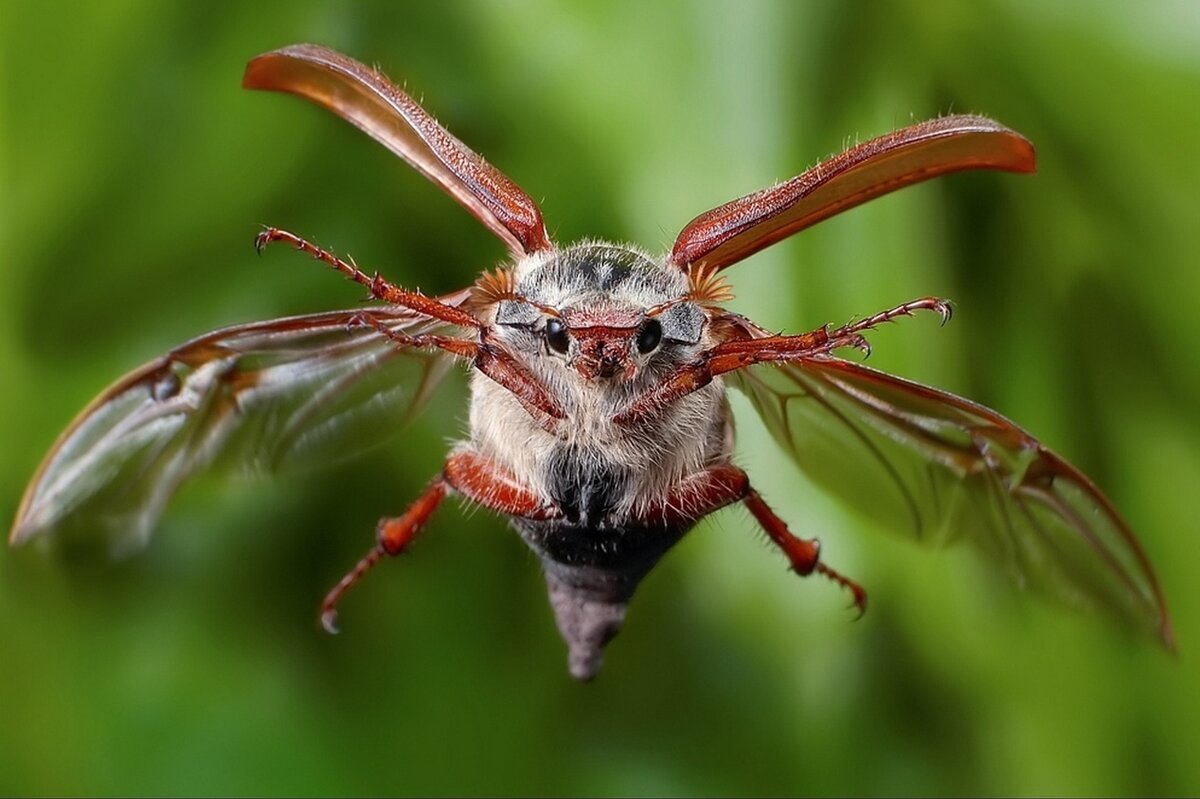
<point>134,173</point>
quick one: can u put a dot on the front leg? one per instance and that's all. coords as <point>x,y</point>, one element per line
<point>742,352</point>
<point>380,287</point>
<point>493,361</point>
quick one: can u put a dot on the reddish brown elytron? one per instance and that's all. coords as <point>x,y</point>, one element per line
<point>599,424</point>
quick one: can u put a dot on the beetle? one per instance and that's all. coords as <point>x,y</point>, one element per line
<point>599,423</point>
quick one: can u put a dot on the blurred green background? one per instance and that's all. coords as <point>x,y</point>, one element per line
<point>134,174</point>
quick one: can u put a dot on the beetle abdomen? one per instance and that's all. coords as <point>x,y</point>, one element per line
<point>591,574</point>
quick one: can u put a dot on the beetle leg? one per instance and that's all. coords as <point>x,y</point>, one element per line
<point>483,481</point>
<point>493,362</point>
<point>466,472</point>
<point>702,493</point>
<point>804,554</point>
<point>506,370</point>
<point>380,288</point>
<point>696,496</point>
<point>455,346</point>
<point>726,357</point>
<point>936,304</point>
<point>742,352</point>
<point>393,536</point>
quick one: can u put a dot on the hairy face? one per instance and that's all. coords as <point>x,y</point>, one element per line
<point>604,313</point>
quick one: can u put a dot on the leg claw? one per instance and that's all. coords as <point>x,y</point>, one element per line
<point>860,593</point>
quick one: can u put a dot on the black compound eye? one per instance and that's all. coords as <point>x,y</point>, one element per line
<point>650,336</point>
<point>556,336</point>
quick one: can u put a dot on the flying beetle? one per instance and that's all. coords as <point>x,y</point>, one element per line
<point>599,423</point>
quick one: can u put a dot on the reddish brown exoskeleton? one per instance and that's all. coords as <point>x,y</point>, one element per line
<point>599,424</point>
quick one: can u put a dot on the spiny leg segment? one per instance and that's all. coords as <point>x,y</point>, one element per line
<point>466,473</point>
<point>936,304</point>
<point>742,352</point>
<point>702,493</point>
<point>804,554</point>
<point>494,362</point>
<point>380,288</point>
<point>393,536</point>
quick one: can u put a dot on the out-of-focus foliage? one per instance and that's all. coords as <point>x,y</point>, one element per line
<point>135,172</point>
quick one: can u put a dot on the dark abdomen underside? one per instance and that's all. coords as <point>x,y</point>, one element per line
<point>594,558</point>
<point>591,574</point>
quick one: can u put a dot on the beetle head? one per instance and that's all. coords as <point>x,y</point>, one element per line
<point>608,313</point>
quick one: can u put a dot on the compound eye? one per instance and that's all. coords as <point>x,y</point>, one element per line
<point>650,336</point>
<point>556,336</point>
